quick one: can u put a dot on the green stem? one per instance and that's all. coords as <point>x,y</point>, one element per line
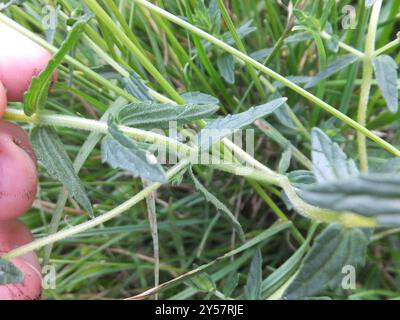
<point>354,124</point>
<point>366,84</point>
<point>69,232</point>
<point>95,126</point>
<point>344,46</point>
<point>241,47</point>
<point>73,62</point>
<point>387,47</point>
<point>104,17</point>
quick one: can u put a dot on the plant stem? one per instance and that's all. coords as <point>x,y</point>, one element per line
<point>387,47</point>
<point>101,14</point>
<point>95,126</point>
<point>322,104</point>
<point>344,46</point>
<point>63,234</point>
<point>366,84</point>
<point>75,63</point>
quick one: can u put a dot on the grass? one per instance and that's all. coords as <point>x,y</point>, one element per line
<point>112,256</point>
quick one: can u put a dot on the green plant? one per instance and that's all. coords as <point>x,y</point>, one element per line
<point>130,66</point>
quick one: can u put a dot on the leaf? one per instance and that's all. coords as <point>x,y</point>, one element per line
<point>230,284</point>
<point>335,66</point>
<point>282,274</point>
<point>307,20</point>
<point>262,54</point>
<point>333,42</point>
<point>322,269</point>
<point>9,273</point>
<point>298,37</point>
<point>263,236</point>
<point>284,163</point>
<point>226,67</point>
<point>226,213</point>
<point>121,152</point>
<point>35,97</point>
<point>386,75</point>
<point>243,31</point>
<point>300,178</point>
<point>135,86</point>
<point>329,161</point>
<point>153,115</point>
<point>199,98</point>
<point>390,166</point>
<point>217,129</point>
<point>252,290</point>
<point>373,195</point>
<point>51,153</point>
<point>202,282</point>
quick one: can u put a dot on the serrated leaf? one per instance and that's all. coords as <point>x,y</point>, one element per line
<point>332,250</point>
<point>226,67</point>
<point>9,273</point>
<point>386,74</point>
<point>36,96</point>
<point>199,98</point>
<point>329,161</point>
<point>373,195</point>
<point>252,290</point>
<point>155,115</point>
<point>335,66</point>
<point>121,152</point>
<point>226,213</point>
<point>217,129</point>
<point>51,153</point>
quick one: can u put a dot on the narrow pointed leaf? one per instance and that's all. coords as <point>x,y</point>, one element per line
<point>226,213</point>
<point>36,96</point>
<point>158,116</point>
<point>252,290</point>
<point>335,66</point>
<point>52,155</point>
<point>218,129</point>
